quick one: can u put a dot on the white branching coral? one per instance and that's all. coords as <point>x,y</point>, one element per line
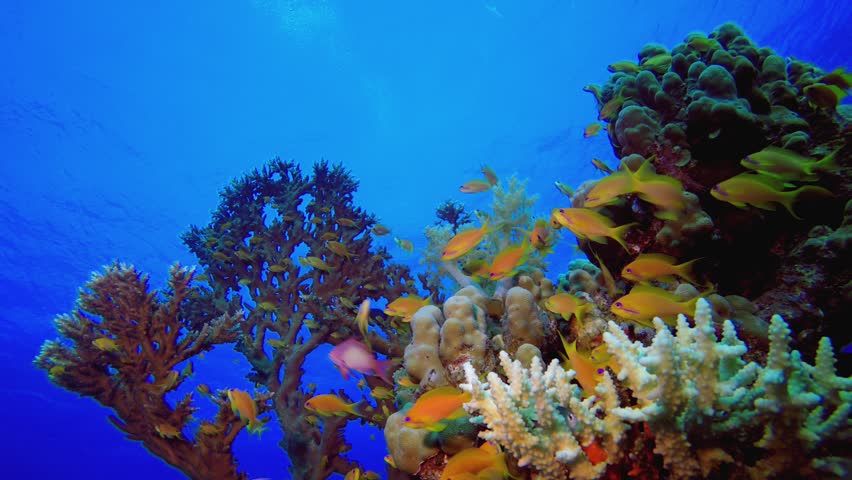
<point>542,419</point>
<point>692,388</point>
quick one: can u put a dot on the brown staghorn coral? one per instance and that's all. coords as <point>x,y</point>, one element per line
<point>120,346</point>
<point>266,220</point>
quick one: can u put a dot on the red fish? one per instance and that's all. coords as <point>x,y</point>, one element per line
<point>354,355</point>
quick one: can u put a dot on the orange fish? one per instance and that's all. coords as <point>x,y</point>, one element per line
<point>592,130</point>
<point>328,405</point>
<point>589,224</point>
<point>587,373</point>
<point>644,302</point>
<point>435,406</point>
<point>353,355</point>
<point>566,304</point>
<point>506,262</point>
<point>789,166</point>
<point>464,242</point>
<point>489,175</point>
<point>601,166</point>
<point>665,192</point>
<point>541,238</point>
<point>475,186</point>
<point>406,245</point>
<point>246,408</point>
<point>380,230</point>
<point>762,192</point>
<point>485,462</point>
<point>653,266</point>
<point>406,307</point>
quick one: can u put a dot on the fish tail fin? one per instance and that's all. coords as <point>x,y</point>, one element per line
<point>257,426</point>
<point>618,234</point>
<point>827,163</point>
<point>684,271</point>
<point>581,310</point>
<point>789,198</point>
<point>384,370</point>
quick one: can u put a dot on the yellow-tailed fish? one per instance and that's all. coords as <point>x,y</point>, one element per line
<point>507,262</point>
<point>435,406</point>
<point>564,189</point>
<point>346,303</point>
<point>485,462</point>
<point>821,95</point>
<point>608,190</point>
<point>329,236</point>
<point>188,369</point>
<point>700,42</point>
<point>625,66</point>
<point>316,263</point>
<point>389,460</point>
<point>277,268</point>
<point>665,192</point>
<point>541,238</point>
<point>592,129</point>
<point>380,230</point>
<point>105,344</point>
<point>207,428</point>
<point>656,266</point>
<point>345,222</point>
<point>244,255</point>
<point>340,249</point>
<point>601,166</point>
<point>476,268</point>
<point>789,166</point>
<point>611,107</point>
<point>406,245</point>
<point>316,220</point>
<point>588,374</point>
<point>328,405</point>
<point>762,192</point>
<point>490,176</point>
<point>659,63</point>
<point>166,430</point>
<point>56,370</point>
<point>277,343</point>
<point>566,304</point>
<point>246,408</point>
<point>645,302</point>
<point>381,393</point>
<point>312,420</point>
<point>589,224</point>
<point>244,282</point>
<point>369,474</point>
<point>406,307</point>
<point>203,389</point>
<point>464,242</point>
<point>406,382</point>
<point>267,306</point>
<point>201,278</point>
<point>363,318</point>
<point>475,186</point>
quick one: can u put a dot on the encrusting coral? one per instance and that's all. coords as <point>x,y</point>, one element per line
<point>121,346</point>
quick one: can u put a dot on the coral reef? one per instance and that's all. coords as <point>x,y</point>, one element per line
<point>698,399</point>
<point>121,346</point>
<point>292,308</point>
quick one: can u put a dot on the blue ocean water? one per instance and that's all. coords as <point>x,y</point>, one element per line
<point>120,123</point>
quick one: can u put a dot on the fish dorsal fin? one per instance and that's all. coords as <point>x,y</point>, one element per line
<point>440,391</point>
<point>661,257</point>
<point>652,290</point>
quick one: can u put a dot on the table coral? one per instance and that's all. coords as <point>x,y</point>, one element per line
<point>121,346</point>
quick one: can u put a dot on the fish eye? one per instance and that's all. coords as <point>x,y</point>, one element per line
<point>601,370</point>
<point>561,210</point>
<point>618,304</point>
<point>407,419</point>
<point>629,270</point>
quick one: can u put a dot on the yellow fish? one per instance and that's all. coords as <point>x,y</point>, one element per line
<point>354,474</point>
<point>381,393</point>
<point>625,66</point>
<point>406,245</point>
<point>588,374</point>
<point>483,463</point>
<point>56,370</point>
<point>406,382</point>
<point>244,255</point>
<point>589,224</point>
<point>328,405</point>
<point>700,42</point>
<point>435,406</point>
<point>837,77</point>
<point>207,428</point>
<point>564,189</point>
<point>345,222</point>
<point>267,306</point>
<point>165,430</point>
<point>380,230</point>
<point>475,186</point>
<point>787,165</point>
<point>315,262</point>
<point>601,166</point>
<point>277,343</point>
<point>821,95</point>
<point>658,64</point>
<point>329,236</point>
<point>663,191</point>
<point>464,242</point>
<point>541,237</point>
<point>592,130</point>
<point>340,249</point>
<point>246,408</point>
<point>476,269</point>
<point>566,304</point>
<point>644,302</point>
<point>611,107</point>
<point>507,262</point>
<point>389,460</point>
<point>312,420</point>
<point>762,192</point>
<point>363,318</point>
<point>489,175</point>
<point>654,266</point>
<point>244,282</point>
<point>166,383</point>
<point>406,307</point>
<point>203,389</point>
<point>608,190</point>
<point>105,344</point>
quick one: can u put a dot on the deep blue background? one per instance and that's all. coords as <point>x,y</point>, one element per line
<point>120,123</point>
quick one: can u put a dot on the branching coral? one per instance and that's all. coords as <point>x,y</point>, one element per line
<point>121,346</point>
<point>266,219</point>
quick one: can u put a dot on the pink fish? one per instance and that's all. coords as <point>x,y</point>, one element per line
<point>354,355</point>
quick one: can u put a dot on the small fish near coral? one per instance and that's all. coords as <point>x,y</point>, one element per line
<point>352,355</point>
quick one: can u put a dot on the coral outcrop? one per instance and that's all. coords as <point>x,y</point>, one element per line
<point>124,346</point>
